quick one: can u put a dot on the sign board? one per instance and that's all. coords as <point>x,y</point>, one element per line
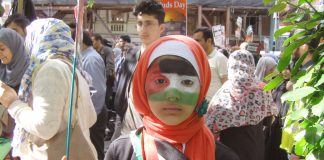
<point>219,35</point>
<point>252,47</point>
<point>175,17</point>
<point>239,27</point>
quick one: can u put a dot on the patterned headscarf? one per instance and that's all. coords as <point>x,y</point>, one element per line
<point>46,39</point>
<point>192,132</point>
<point>13,72</point>
<point>241,100</point>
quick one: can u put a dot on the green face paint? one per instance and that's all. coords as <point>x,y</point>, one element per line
<point>180,89</point>
<point>180,97</point>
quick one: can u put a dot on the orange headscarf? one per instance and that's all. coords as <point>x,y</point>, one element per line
<point>192,132</point>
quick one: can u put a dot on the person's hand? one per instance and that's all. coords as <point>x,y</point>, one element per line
<point>7,95</point>
<point>286,74</point>
<point>294,157</point>
<point>289,85</point>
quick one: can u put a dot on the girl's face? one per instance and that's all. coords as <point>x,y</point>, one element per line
<point>172,88</point>
<point>5,54</point>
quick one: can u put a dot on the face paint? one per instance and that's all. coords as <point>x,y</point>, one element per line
<point>164,86</point>
<point>172,96</point>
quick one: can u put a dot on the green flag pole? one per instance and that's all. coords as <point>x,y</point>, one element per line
<point>79,10</point>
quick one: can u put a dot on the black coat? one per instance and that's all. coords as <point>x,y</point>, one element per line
<point>122,149</point>
<point>126,73</point>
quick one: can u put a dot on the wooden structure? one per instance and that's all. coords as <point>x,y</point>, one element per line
<point>114,16</point>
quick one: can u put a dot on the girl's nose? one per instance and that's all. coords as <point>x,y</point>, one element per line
<point>173,95</point>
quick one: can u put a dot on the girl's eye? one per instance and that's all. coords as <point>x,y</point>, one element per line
<point>160,81</point>
<point>187,82</point>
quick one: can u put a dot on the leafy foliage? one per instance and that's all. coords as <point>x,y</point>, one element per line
<point>90,3</point>
<point>306,111</point>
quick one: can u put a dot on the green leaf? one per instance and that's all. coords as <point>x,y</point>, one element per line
<point>306,123</point>
<point>320,81</point>
<point>273,83</point>
<point>90,3</point>
<point>303,24</point>
<point>305,78</point>
<point>271,75</point>
<point>313,119</point>
<point>298,114</point>
<point>321,154</point>
<point>300,74</point>
<point>298,63</point>
<point>317,15</point>
<point>295,36</point>
<point>299,147</point>
<point>318,109</point>
<point>286,55</point>
<point>319,131</point>
<point>294,17</point>
<point>314,100</point>
<point>277,8</point>
<point>310,135</point>
<point>300,2</point>
<point>283,30</point>
<point>318,52</point>
<point>322,143</point>
<point>266,2</point>
<point>289,121</point>
<point>311,25</point>
<point>297,94</point>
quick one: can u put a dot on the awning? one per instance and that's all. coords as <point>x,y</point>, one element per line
<point>209,3</point>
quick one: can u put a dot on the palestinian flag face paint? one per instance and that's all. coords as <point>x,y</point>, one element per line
<point>172,87</point>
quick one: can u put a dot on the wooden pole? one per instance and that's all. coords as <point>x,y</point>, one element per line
<point>199,16</point>
<point>228,27</point>
<point>20,7</point>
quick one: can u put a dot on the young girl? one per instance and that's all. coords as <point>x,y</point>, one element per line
<point>169,87</point>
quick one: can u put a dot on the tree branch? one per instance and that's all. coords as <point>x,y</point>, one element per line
<point>315,10</point>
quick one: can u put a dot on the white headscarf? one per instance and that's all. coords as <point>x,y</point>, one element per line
<point>265,64</point>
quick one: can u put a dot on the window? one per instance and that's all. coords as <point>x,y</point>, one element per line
<point>117,16</point>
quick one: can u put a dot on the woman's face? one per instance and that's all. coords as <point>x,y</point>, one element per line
<point>270,71</point>
<point>5,54</point>
<point>172,88</point>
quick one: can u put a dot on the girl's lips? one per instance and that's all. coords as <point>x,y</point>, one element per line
<point>172,110</point>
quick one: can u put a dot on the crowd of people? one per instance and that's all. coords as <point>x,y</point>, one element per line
<point>172,97</point>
